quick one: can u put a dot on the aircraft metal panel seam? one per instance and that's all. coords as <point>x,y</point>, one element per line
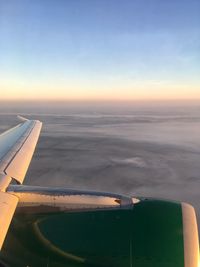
<point>17,146</point>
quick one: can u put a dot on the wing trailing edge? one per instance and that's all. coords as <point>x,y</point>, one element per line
<point>17,147</point>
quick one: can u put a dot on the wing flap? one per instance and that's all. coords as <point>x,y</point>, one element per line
<point>16,149</point>
<point>18,166</point>
<point>8,205</point>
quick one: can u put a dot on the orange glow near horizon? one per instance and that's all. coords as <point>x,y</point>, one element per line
<point>137,90</point>
<point>143,96</point>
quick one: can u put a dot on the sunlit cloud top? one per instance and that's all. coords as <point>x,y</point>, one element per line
<point>105,50</point>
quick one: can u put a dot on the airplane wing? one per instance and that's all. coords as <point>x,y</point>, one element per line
<point>16,150</point>
<point>75,226</point>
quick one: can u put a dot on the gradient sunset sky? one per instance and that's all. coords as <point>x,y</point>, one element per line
<point>100,49</point>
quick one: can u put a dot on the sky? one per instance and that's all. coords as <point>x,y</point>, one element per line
<point>99,49</point>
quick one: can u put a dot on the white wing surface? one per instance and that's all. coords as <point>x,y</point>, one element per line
<point>16,150</point>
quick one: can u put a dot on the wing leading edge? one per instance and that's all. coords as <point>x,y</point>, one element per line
<point>17,146</point>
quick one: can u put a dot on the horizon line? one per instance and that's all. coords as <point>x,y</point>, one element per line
<point>100,100</point>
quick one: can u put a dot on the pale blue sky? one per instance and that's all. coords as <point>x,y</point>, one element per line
<point>96,48</point>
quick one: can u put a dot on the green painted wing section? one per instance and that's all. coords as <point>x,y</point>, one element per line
<point>150,234</point>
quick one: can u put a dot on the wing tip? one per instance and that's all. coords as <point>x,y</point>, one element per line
<point>21,118</point>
